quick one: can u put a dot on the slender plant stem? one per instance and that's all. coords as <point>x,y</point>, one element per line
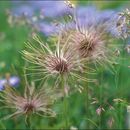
<point>116,85</point>
<point>28,122</point>
<point>86,102</point>
<point>118,78</point>
<point>65,111</point>
<point>122,84</point>
<point>100,97</point>
<point>117,107</point>
<point>87,99</point>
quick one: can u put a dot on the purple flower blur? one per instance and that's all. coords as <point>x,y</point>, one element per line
<point>26,10</point>
<point>2,83</point>
<point>53,8</point>
<point>12,81</point>
<point>86,15</point>
<point>90,15</point>
<point>47,29</point>
<point>48,8</point>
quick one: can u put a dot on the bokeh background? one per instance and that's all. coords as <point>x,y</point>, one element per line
<point>110,96</point>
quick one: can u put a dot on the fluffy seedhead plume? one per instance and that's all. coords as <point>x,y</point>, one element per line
<point>55,61</point>
<point>89,41</point>
<point>32,102</point>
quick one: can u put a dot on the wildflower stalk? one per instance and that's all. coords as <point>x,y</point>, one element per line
<point>28,122</point>
<point>101,96</point>
<point>87,98</point>
<point>117,85</point>
<point>87,102</point>
<point>65,111</point>
<point>122,84</point>
<point>118,80</point>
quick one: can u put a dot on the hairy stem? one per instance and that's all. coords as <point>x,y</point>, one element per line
<point>101,96</point>
<point>65,103</point>
<point>28,122</point>
<point>87,103</point>
<point>122,84</point>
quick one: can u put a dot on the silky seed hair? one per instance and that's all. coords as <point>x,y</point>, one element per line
<point>33,101</point>
<point>55,62</point>
<point>92,42</point>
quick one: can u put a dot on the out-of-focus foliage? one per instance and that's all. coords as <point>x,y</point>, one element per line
<point>107,98</point>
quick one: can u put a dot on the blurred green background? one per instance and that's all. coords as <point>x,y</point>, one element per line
<point>111,86</point>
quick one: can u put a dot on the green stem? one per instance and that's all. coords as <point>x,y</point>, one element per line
<point>116,85</point>
<point>65,102</point>
<point>28,122</point>
<point>87,103</point>
<point>122,84</point>
<point>117,107</point>
<point>118,81</point>
<point>101,82</point>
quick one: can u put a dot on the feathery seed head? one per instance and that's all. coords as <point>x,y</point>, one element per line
<point>56,64</point>
<point>32,102</point>
<point>88,42</point>
<point>61,60</point>
<point>90,45</point>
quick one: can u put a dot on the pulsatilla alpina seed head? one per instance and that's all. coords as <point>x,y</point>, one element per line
<point>59,62</point>
<point>56,64</point>
<point>32,102</point>
<point>88,42</point>
<point>55,61</point>
<point>29,107</point>
<point>91,45</point>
